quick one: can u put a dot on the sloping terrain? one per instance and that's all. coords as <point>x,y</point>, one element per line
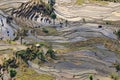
<point>83,48</point>
<point>8,27</point>
<point>87,11</point>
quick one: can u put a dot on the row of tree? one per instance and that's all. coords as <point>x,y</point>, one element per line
<point>10,65</point>
<point>32,53</point>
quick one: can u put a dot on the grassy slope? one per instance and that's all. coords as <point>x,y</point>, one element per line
<point>23,72</point>
<point>29,74</point>
<point>79,2</point>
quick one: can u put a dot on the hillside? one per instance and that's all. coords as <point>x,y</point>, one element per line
<point>60,40</point>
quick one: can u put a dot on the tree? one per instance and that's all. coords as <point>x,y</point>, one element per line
<point>117,67</point>
<point>91,77</point>
<point>5,64</point>
<point>49,9</point>
<point>22,55</point>
<point>53,16</point>
<point>51,53</point>
<point>12,62</point>
<point>28,50</point>
<point>41,56</point>
<point>84,21</point>
<point>66,22</point>
<point>118,34</point>
<point>26,55</point>
<point>9,19</point>
<point>12,73</point>
<point>21,34</point>
<point>51,2</point>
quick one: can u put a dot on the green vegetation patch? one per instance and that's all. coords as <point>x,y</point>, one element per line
<point>101,2</point>
<point>29,74</point>
<point>52,31</point>
<point>114,76</point>
<point>46,31</point>
<point>79,2</point>
<point>110,44</point>
<point>118,34</point>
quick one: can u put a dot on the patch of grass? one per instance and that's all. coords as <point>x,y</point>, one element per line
<point>108,43</point>
<point>29,74</point>
<point>42,43</point>
<point>62,51</point>
<point>79,2</point>
<point>47,31</point>
<point>52,31</point>
<point>114,76</point>
<point>99,2</point>
<point>112,45</point>
<point>10,42</point>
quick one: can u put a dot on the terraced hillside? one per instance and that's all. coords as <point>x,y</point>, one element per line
<point>82,36</point>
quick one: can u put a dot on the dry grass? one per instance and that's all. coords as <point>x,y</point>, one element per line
<point>80,2</point>
<point>112,45</point>
<point>29,74</point>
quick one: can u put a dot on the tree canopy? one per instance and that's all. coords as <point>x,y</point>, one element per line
<point>13,73</point>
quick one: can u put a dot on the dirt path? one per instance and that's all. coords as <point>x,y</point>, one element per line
<point>13,47</point>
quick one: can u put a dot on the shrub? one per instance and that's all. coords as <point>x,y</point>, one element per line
<point>117,66</point>
<point>114,77</point>
<point>79,2</point>
<point>51,53</point>
<point>118,33</point>
<point>45,30</point>
<point>13,73</point>
<point>91,77</point>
